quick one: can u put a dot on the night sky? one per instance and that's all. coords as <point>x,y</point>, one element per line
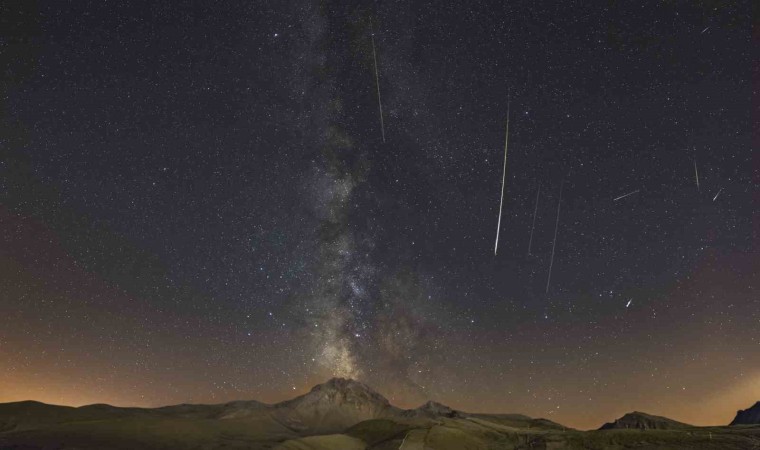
<point>197,205</point>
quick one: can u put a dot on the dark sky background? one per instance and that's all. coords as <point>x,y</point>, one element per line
<point>196,204</point>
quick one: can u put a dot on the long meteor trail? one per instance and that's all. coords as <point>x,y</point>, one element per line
<point>533,227</point>
<point>377,81</point>
<point>503,180</point>
<point>554,244</point>
<point>626,195</point>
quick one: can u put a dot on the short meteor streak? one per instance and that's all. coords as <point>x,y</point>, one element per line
<point>533,227</point>
<point>503,180</point>
<point>626,195</point>
<point>377,81</point>
<point>554,244</point>
<point>716,195</point>
<point>696,174</point>
<point>629,303</point>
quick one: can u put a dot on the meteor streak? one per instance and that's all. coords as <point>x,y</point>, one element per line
<point>696,174</point>
<point>626,195</point>
<point>554,244</point>
<point>503,180</point>
<point>533,227</point>
<point>377,81</point>
<point>716,195</point>
<point>629,303</point>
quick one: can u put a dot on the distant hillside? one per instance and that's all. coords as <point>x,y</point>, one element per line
<point>30,414</point>
<point>431,410</point>
<point>641,421</point>
<point>749,416</point>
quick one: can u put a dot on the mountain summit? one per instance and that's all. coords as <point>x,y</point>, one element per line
<point>334,406</point>
<point>341,392</point>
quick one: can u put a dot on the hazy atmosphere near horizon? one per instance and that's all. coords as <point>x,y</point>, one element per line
<point>212,201</point>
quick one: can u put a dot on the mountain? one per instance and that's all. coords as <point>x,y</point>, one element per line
<point>641,421</point>
<point>749,416</point>
<point>340,414</point>
<point>333,406</point>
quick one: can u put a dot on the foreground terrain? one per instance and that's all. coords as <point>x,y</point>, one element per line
<point>340,414</point>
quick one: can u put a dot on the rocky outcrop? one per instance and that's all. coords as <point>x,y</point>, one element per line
<point>749,416</point>
<point>642,421</point>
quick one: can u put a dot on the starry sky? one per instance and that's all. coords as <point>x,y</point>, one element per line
<point>197,204</point>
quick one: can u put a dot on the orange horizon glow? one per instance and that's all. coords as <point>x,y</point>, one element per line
<point>716,410</point>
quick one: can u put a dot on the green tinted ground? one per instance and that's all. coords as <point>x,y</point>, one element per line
<point>480,434</point>
<point>152,433</point>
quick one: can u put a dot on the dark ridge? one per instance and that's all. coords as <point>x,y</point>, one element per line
<point>433,409</point>
<point>749,416</point>
<point>642,421</point>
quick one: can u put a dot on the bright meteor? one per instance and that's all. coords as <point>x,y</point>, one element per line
<point>554,243</point>
<point>533,227</point>
<point>377,81</point>
<point>626,195</point>
<point>503,180</point>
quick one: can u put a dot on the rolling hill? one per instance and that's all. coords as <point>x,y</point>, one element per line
<point>641,421</point>
<point>339,414</point>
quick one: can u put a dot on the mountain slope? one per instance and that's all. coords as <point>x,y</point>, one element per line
<point>521,421</point>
